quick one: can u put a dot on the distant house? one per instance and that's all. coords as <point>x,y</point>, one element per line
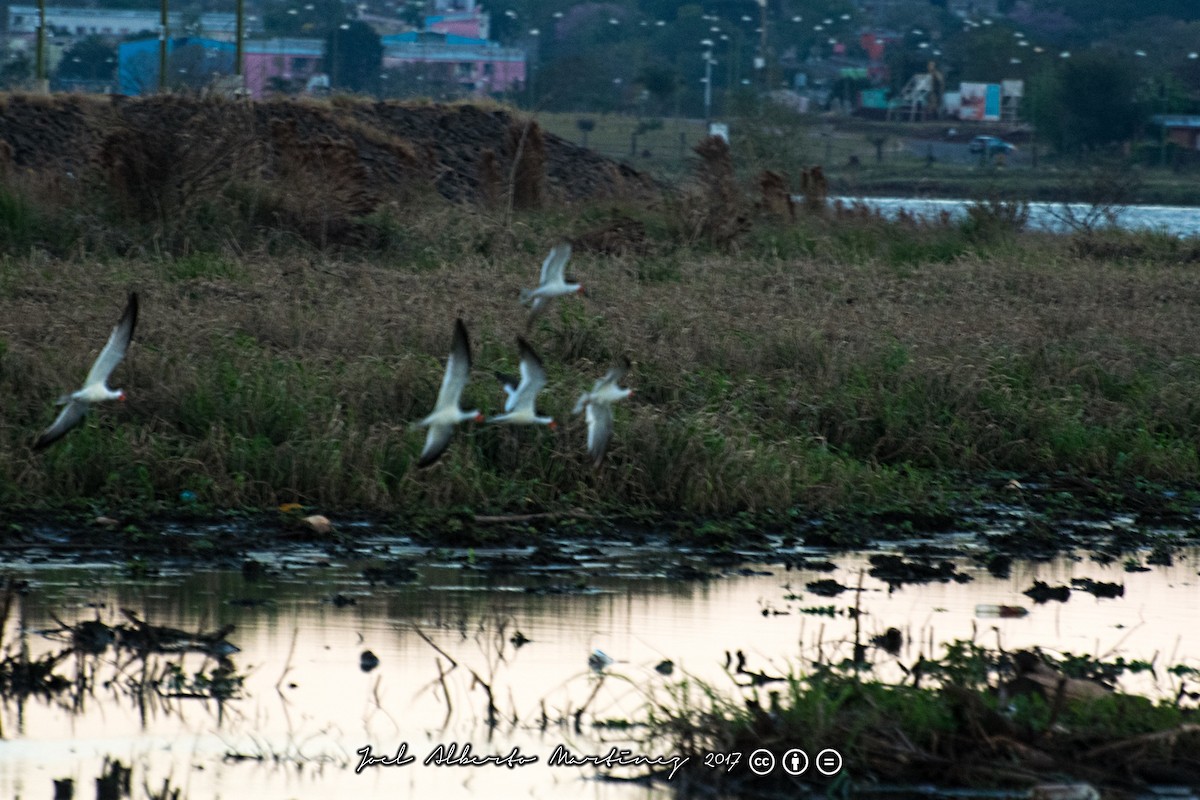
<point>472,64</point>
<point>284,65</point>
<point>1181,129</point>
<point>459,17</point>
<point>191,61</point>
<point>121,22</point>
<point>473,23</point>
<point>268,65</point>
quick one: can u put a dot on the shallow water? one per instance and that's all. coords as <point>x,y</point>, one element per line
<point>1051,217</point>
<point>307,707</point>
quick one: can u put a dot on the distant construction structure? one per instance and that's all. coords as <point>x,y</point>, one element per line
<point>921,97</point>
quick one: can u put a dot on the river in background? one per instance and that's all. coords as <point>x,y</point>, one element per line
<point>307,705</point>
<point>1051,217</point>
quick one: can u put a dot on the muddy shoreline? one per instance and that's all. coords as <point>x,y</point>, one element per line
<point>1002,518</point>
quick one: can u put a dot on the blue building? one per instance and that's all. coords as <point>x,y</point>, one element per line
<point>192,62</point>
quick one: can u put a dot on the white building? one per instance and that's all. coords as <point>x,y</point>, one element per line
<point>120,22</point>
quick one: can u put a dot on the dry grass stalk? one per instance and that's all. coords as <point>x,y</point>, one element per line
<point>723,218</point>
<point>491,182</point>
<point>776,199</point>
<point>815,188</point>
<point>527,149</point>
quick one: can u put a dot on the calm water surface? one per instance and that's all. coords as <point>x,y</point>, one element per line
<point>307,707</point>
<point>1176,220</point>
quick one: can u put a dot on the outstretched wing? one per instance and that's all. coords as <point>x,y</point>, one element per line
<point>581,403</point>
<point>533,375</point>
<point>458,368</point>
<point>118,343</point>
<point>614,376</point>
<point>555,263</point>
<point>436,442</point>
<point>600,421</point>
<point>71,415</point>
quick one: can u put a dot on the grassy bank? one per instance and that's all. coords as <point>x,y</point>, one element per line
<point>976,718</point>
<point>831,362</point>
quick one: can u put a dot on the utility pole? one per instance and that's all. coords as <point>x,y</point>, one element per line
<point>40,59</point>
<point>239,34</point>
<point>162,46</point>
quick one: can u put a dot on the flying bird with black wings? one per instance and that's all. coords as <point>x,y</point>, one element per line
<point>95,386</point>
<point>447,411</point>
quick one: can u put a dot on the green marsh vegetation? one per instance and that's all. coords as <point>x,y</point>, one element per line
<point>294,325</point>
<point>971,718</point>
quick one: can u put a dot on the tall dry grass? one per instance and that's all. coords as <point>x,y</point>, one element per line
<point>296,321</point>
<point>812,367</point>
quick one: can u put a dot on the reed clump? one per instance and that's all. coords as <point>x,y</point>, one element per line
<point>972,718</point>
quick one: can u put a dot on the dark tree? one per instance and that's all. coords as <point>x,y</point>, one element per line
<point>16,70</point>
<point>660,81</point>
<point>89,59</point>
<point>1090,100</point>
<point>354,57</point>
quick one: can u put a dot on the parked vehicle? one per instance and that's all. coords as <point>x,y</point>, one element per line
<point>990,145</point>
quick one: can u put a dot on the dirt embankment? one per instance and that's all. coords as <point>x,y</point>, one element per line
<point>385,149</point>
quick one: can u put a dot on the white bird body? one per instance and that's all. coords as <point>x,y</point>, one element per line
<point>552,282</point>
<point>520,401</point>
<point>95,385</point>
<point>447,412</point>
<point>598,404</point>
<point>95,393</point>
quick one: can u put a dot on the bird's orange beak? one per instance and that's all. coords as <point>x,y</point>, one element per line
<point>479,417</point>
<point>553,425</point>
<point>121,397</point>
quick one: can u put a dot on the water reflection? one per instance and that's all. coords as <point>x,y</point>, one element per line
<point>458,641</point>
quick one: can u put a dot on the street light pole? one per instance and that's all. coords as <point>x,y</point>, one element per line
<point>762,42</point>
<point>708,62</point>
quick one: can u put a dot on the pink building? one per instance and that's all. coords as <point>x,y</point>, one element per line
<point>468,64</point>
<point>458,17</point>
<point>471,24</point>
<point>280,65</point>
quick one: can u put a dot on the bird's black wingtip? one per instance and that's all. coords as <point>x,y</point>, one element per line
<point>429,460</point>
<point>461,341</point>
<point>130,314</point>
<point>526,351</point>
